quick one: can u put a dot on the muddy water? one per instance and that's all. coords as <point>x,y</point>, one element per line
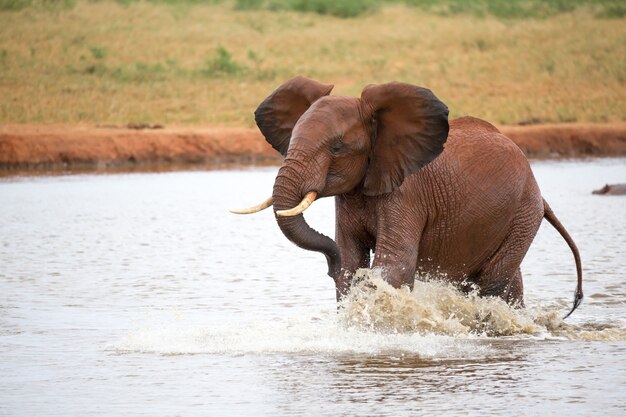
<point>141,295</point>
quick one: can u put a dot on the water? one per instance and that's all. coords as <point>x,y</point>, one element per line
<point>141,295</point>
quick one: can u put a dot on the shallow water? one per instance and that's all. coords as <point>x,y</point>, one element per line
<point>140,294</point>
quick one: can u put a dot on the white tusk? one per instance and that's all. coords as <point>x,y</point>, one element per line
<point>304,204</point>
<point>255,209</point>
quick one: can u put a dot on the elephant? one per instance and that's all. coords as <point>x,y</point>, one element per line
<point>420,192</point>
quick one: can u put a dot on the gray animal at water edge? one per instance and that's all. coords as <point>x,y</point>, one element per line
<point>611,189</point>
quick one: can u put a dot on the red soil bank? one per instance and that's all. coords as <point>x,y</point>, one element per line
<point>62,147</point>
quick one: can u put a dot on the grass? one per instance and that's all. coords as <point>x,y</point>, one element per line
<point>222,64</point>
<point>345,8</point>
<point>176,62</point>
<point>511,9</point>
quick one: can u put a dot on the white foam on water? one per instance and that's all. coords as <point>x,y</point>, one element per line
<point>435,320</point>
<point>329,336</point>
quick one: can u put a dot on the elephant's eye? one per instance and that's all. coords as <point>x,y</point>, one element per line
<point>336,145</point>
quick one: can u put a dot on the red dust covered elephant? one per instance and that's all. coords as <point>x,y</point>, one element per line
<point>421,193</point>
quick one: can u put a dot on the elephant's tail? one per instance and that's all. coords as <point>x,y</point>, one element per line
<point>549,215</point>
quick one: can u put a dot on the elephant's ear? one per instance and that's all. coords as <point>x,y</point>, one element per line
<point>409,129</point>
<point>278,114</point>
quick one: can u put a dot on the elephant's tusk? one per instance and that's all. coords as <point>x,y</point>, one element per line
<point>255,209</point>
<point>304,204</point>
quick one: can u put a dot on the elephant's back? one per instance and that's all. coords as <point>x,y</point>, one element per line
<point>470,123</point>
<point>479,150</point>
<point>475,138</point>
<point>479,154</point>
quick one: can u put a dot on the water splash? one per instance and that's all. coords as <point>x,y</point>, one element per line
<point>553,323</point>
<point>436,306</point>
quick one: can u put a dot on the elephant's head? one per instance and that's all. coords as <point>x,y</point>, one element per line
<point>334,145</point>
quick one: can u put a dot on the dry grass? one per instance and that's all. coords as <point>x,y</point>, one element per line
<point>154,63</point>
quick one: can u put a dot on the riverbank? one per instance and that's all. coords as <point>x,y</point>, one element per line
<point>45,148</point>
<point>42,148</point>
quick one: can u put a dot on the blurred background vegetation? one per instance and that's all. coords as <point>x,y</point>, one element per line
<point>211,61</point>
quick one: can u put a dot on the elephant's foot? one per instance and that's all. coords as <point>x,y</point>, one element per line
<point>510,289</point>
<point>343,282</point>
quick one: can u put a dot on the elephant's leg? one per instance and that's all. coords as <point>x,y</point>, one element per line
<point>501,275</point>
<point>501,278</point>
<point>516,290</point>
<point>397,259</point>
<point>355,253</point>
<point>397,243</point>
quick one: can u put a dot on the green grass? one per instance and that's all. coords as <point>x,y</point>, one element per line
<point>106,62</point>
<point>509,9</point>
<point>515,9</point>
<point>344,8</point>
<point>49,5</point>
<point>222,65</point>
<point>612,11</point>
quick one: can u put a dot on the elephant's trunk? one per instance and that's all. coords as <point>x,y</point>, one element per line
<point>287,194</point>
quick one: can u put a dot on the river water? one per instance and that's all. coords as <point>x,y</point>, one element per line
<point>139,294</point>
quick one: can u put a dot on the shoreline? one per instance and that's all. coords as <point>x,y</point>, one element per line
<point>49,149</point>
